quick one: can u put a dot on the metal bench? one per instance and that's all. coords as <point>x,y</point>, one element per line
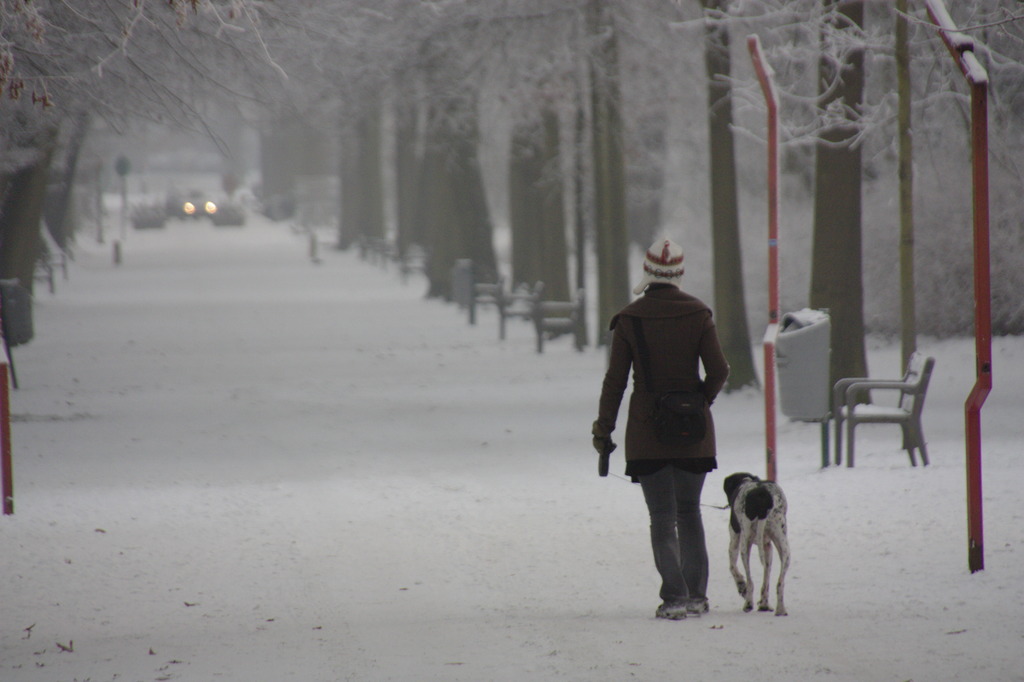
<point>555,318</point>
<point>377,250</point>
<point>412,259</point>
<point>487,293</point>
<point>519,303</point>
<point>848,406</point>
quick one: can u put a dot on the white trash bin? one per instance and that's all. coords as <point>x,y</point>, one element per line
<point>802,358</point>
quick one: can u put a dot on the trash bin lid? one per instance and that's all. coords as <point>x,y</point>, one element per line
<point>803,318</point>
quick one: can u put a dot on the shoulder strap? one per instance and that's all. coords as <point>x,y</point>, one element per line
<point>643,352</point>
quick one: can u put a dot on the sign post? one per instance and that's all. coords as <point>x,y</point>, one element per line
<point>961,47</point>
<point>765,77</point>
<point>123,166</point>
<point>6,466</point>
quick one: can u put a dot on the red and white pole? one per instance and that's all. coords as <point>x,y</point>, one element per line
<point>961,47</point>
<point>6,467</point>
<point>765,78</point>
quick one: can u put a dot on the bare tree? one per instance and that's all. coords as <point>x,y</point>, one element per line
<point>61,60</point>
<point>536,210</point>
<point>836,275</point>
<point>609,167</point>
<point>908,314</point>
<point>731,310</point>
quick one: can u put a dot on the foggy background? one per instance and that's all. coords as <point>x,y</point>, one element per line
<point>278,96</point>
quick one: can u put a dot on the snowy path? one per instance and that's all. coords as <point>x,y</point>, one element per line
<point>234,465</point>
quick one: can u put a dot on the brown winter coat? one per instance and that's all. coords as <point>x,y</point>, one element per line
<point>680,336</point>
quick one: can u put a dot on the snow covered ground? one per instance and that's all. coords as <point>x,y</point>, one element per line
<point>232,464</point>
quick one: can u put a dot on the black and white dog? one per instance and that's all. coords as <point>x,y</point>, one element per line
<point>758,517</point>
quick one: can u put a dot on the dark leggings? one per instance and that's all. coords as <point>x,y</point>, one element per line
<point>677,532</point>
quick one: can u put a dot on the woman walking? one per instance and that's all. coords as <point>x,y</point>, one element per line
<point>666,335</point>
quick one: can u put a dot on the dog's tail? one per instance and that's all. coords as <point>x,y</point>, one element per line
<point>758,503</point>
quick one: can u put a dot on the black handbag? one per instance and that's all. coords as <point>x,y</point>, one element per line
<point>679,416</point>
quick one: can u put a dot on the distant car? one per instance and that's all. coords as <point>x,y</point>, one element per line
<point>194,205</point>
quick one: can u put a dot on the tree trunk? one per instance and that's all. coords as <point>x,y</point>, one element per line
<point>362,183</point>
<point>408,223</point>
<point>836,272</point>
<point>436,215</point>
<point>281,149</point>
<point>458,217</point>
<point>58,212</point>
<point>553,249</point>
<point>646,182</point>
<point>349,213</point>
<point>370,174</point>
<point>730,305</point>
<point>525,215</point>
<point>609,171</point>
<point>579,190</point>
<point>21,211</point>
<point>536,211</point>
<point>908,314</point>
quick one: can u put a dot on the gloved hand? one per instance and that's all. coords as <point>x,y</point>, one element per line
<point>604,447</point>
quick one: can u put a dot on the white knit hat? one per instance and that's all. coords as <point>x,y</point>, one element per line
<point>662,265</point>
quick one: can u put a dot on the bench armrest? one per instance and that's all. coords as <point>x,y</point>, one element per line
<point>846,389</point>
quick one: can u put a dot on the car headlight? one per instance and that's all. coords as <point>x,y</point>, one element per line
<point>189,208</point>
<point>210,207</point>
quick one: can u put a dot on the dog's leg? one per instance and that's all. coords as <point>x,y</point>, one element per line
<point>782,543</point>
<point>734,551</point>
<point>764,550</point>
<point>747,541</point>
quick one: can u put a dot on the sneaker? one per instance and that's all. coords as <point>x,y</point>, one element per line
<point>674,611</point>
<point>697,606</point>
